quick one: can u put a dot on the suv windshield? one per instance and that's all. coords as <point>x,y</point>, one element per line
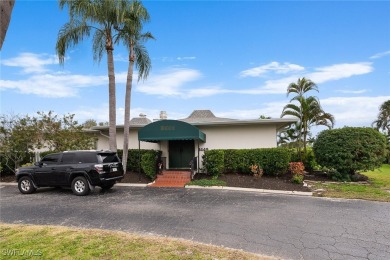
<point>108,157</point>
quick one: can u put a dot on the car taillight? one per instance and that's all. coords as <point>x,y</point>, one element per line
<point>99,168</point>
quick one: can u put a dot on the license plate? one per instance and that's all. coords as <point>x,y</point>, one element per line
<point>114,169</point>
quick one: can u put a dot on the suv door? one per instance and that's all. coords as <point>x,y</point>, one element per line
<point>64,169</point>
<point>44,173</point>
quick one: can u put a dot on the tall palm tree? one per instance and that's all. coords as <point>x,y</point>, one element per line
<point>383,120</point>
<point>301,87</point>
<point>100,17</point>
<point>309,112</point>
<point>132,37</point>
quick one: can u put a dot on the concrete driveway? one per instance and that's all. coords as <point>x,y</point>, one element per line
<point>286,226</point>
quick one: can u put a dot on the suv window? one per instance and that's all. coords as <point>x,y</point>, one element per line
<point>87,158</point>
<point>68,158</point>
<point>50,159</point>
<point>108,157</point>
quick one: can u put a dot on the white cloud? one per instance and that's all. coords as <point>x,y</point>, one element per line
<point>170,83</point>
<point>353,111</point>
<point>339,71</point>
<point>31,62</point>
<point>271,67</point>
<point>380,55</point>
<point>186,58</point>
<point>359,91</point>
<point>53,85</point>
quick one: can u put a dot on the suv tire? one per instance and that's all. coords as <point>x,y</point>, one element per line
<point>26,185</point>
<point>80,186</point>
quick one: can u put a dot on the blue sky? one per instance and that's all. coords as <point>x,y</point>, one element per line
<point>235,58</point>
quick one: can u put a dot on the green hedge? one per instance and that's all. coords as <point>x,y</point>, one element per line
<point>274,161</point>
<point>148,163</point>
<point>133,158</point>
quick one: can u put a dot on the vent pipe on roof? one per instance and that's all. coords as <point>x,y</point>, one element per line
<point>163,115</point>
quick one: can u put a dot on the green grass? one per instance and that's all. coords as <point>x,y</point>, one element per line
<point>378,187</point>
<point>51,242</point>
<point>205,182</point>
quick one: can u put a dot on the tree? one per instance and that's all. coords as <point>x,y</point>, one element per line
<point>89,123</point>
<point>307,109</point>
<point>132,37</point>
<point>350,149</point>
<point>21,136</point>
<point>383,121</point>
<point>383,124</point>
<point>100,17</point>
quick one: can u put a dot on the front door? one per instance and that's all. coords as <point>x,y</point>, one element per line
<point>181,153</point>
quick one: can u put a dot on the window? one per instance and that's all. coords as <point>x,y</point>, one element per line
<point>87,158</point>
<point>68,158</point>
<point>108,157</point>
<point>50,159</point>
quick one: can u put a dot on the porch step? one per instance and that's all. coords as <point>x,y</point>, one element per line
<point>172,179</point>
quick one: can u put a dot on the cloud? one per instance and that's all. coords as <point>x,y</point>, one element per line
<point>339,71</point>
<point>31,62</point>
<point>380,55</point>
<point>186,58</point>
<point>54,85</point>
<point>169,83</point>
<point>274,66</point>
<point>360,91</point>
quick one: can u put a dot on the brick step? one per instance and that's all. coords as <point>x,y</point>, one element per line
<point>172,179</point>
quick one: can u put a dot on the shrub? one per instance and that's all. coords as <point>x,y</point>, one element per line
<point>297,178</point>
<point>213,161</point>
<point>133,158</point>
<point>350,149</point>
<point>148,163</point>
<point>274,161</point>
<point>296,168</point>
<point>308,159</point>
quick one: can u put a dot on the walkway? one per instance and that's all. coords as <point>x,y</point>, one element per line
<point>172,179</point>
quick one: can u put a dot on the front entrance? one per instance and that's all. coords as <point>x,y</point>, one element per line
<point>181,153</point>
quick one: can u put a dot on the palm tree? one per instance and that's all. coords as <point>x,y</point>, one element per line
<point>383,121</point>
<point>100,17</point>
<point>132,37</point>
<point>301,87</point>
<point>289,136</point>
<point>309,112</point>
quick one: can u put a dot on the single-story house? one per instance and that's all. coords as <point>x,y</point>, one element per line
<point>183,139</point>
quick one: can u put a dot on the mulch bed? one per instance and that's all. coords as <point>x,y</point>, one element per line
<point>231,179</point>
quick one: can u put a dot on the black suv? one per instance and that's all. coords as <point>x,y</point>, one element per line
<point>81,170</point>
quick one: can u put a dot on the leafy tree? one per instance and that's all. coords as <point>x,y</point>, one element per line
<point>100,17</point>
<point>307,109</point>
<point>350,149</point>
<point>21,136</point>
<point>133,38</point>
<point>89,123</point>
<point>264,117</point>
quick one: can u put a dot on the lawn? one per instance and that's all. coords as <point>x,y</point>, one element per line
<point>52,242</point>
<point>377,188</point>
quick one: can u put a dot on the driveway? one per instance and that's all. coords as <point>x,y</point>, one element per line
<point>287,226</point>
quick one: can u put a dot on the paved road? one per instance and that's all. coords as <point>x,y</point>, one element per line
<point>286,226</point>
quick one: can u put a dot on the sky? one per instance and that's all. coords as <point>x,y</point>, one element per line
<point>235,58</point>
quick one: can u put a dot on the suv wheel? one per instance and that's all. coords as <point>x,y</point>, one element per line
<point>25,185</point>
<point>80,186</point>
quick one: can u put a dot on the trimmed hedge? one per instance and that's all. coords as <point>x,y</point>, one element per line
<point>274,161</point>
<point>350,149</point>
<point>133,158</point>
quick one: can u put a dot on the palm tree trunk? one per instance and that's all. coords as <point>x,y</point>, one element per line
<point>111,100</point>
<point>129,84</point>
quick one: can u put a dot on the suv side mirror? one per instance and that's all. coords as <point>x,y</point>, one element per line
<point>38,164</point>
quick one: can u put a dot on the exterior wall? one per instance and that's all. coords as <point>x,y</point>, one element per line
<point>239,137</point>
<point>103,144</point>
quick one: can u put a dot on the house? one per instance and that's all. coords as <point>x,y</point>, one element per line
<point>183,139</point>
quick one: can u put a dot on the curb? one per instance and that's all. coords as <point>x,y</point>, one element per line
<point>300,193</point>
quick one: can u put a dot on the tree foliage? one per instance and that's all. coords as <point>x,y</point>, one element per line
<point>350,149</point>
<point>20,136</point>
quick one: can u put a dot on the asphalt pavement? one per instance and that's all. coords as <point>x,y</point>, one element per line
<point>286,226</point>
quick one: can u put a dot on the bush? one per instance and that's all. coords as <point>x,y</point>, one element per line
<point>274,161</point>
<point>308,159</point>
<point>297,168</point>
<point>148,163</point>
<point>350,149</point>
<point>297,179</point>
<point>213,161</point>
<point>133,158</point>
